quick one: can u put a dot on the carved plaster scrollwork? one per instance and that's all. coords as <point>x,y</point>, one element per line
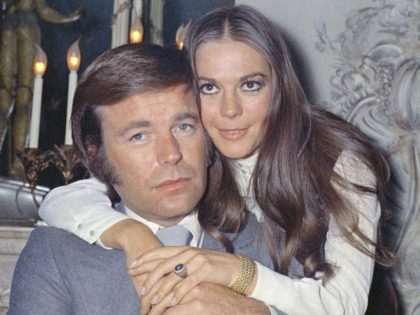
<point>4,300</point>
<point>376,86</point>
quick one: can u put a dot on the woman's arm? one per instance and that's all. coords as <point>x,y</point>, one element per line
<point>84,209</point>
<point>345,293</point>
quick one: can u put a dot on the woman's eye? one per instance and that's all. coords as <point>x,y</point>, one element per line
<point>138,137</point>
<point>208,89</point>
<point>251,85</point>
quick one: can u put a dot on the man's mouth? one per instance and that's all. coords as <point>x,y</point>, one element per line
<point>173,184</point>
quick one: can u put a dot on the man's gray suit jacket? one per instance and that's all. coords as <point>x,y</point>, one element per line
<point>58,273</point>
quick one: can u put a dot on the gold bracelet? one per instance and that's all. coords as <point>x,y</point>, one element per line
<point>245,276</point>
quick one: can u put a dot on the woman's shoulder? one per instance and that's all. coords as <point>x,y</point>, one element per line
<point>354,169</point>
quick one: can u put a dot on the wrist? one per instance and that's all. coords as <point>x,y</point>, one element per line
<point>126,234</point>
<point>244,280</point>
<point>132,236</point>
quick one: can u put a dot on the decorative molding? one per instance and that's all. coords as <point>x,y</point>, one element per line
<point>12,241</point>
<point>4,300</point>
<point>376,86</point>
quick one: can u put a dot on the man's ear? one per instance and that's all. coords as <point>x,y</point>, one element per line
<point>92,148</point>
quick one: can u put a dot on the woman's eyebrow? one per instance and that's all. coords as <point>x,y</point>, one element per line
<point>206,79</point>
<point>252,76</point>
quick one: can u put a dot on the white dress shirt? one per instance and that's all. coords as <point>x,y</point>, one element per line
<point>83,209</point>
<point>190,222</point>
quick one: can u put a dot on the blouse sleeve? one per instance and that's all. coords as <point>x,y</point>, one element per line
<point>347,291</point>
<point>82,208</point>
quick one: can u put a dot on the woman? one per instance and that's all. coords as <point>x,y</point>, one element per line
<point>305,173</point>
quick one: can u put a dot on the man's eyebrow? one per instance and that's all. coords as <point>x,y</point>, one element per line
<point>187,115</point>
<point>133,125</point>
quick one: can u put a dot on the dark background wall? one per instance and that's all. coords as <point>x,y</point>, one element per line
<point>95,34</point>
<point>94,31</point>
<point>178,12</point>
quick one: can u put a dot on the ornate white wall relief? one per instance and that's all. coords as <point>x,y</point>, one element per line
<point>376,86</point>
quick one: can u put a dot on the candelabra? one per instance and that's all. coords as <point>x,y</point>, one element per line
<point>61,159</point>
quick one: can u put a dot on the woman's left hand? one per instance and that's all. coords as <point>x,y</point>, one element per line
<point>163,286</point>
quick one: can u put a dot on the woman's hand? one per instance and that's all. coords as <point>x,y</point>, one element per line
<point>162,286</point>
<point>135,239</point>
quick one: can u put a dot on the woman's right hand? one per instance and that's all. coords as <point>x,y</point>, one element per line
<point>163,288</point>
<point>135,239</point>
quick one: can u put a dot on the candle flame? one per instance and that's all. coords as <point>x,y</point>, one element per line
<point>136,31</point>
<point>73,56</point>
<point>40,62</point>
<point>180,35</point>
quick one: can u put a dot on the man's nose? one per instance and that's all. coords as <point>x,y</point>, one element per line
<point>231,105</point>
<point>168,150</point>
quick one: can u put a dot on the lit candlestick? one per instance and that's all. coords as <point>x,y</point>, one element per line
<point>180,35</point>
<point>73,63</point>
<point>136,31</point>
<point>40,65</point>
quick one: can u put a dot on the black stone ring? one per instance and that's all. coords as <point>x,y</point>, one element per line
<point>181,270</point>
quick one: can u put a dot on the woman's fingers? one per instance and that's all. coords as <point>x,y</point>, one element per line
<point>139,284</point>
<point>156,272</point>
<point>201,266</point>
<point>185,286</point>
<point>146,299</point>
<point>167,287</point>
<point>161,307</point>
<point>157,253</point>
<point>146,268</point>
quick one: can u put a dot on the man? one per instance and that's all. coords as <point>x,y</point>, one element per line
<point>136,126</point>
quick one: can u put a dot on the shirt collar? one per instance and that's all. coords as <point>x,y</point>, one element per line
<point>243,170</point>
<point>190,222</point>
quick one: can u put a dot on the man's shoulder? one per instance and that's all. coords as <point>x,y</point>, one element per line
<point>62,246</point>
<point>59,266</point>
<point>50,233</point>
<point>50,237</point>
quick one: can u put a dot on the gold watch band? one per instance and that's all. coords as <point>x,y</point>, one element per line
<point>245,276</point>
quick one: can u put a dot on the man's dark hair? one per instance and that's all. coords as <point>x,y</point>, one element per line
<point>115,75</point>
<point>138,68</point>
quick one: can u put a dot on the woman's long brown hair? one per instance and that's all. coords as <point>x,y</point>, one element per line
<point>294,176</point>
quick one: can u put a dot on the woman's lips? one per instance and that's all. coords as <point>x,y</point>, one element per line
<point>232,134</point>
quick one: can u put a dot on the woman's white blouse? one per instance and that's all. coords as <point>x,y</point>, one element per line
<point>83,208</point>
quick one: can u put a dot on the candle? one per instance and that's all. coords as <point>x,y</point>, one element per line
<point>73,63</point>
<point>40,65</point>
<point>180,34</point>
<point>136,31</point>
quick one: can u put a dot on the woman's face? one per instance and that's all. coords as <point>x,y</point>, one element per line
<point>235,89</point>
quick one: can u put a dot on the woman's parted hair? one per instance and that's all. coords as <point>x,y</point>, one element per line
<point>294,176</point>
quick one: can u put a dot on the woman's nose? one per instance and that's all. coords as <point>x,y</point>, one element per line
<point>231,105</point>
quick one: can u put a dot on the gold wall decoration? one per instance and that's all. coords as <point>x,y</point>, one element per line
<point>19,32</point>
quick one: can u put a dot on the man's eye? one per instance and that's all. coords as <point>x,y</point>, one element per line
<point>251,85</point>
<point>185,127</point>
<point>208,89</point>
<point>137,137</point>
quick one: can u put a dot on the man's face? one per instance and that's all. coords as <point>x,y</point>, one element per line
<point>156,144</point>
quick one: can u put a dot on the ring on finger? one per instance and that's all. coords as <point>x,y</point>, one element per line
<point>181,270</point>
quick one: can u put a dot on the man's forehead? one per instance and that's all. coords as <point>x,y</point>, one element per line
<point>152,107</point>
